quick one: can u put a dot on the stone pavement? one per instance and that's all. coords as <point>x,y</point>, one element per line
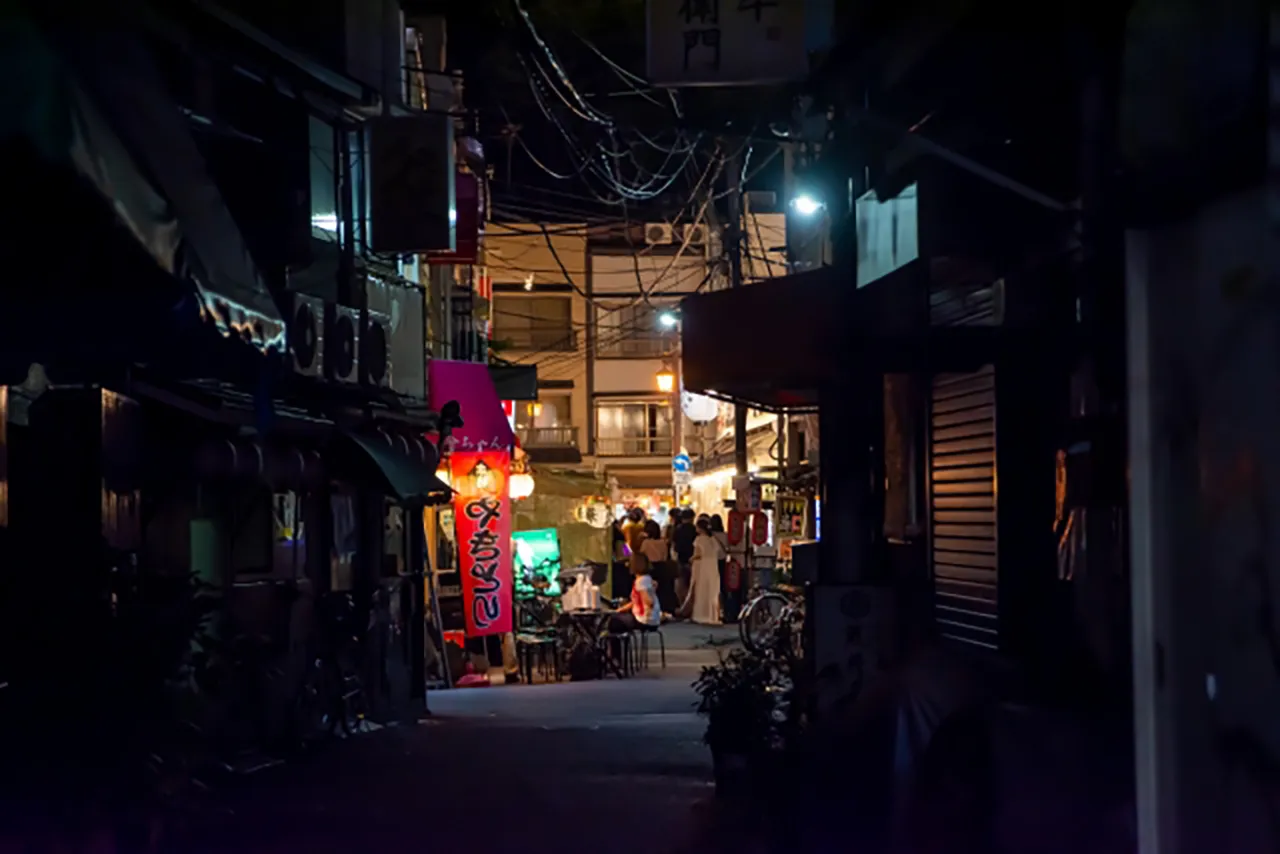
<point>598,767</point>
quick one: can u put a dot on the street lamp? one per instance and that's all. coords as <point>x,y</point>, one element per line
<point>668,320</point>
<point>806,205</point>
<point>666,379</point>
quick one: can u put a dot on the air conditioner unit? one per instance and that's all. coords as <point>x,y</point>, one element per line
<point>306,335</point>
<point>658,233</point>
<point>375,350</point>
<point>696,234</point>
<point>342,343</point>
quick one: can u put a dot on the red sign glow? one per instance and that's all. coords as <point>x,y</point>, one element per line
<point>482,517</point>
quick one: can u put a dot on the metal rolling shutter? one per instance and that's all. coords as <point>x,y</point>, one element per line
<point>963,506</point>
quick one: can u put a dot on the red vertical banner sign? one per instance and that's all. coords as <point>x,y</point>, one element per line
<point>482,516</point>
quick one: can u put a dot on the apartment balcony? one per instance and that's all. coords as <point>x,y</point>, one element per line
<point>550,444</point>
<point>634,446</point>
<point>634,346</point>
<point>539,340</point>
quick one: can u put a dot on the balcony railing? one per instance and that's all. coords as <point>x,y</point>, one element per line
<point>548,437</point>
<point>632,347</point>
<point>634,446</point>
<point>559,340</point>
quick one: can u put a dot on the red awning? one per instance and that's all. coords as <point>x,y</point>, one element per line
<point>484,424</point>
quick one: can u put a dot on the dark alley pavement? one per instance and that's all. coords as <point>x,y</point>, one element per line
<point>604,766</point>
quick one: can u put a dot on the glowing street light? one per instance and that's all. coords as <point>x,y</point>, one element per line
<point>668,320</point>
<point>666,380</point>
<point>806,205</point>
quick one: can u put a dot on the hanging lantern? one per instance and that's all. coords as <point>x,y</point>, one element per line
<point>759,528</point>
<point>520,483</point>
<point>666,380</point>
<point>699,408</point>
<point>596,512</point>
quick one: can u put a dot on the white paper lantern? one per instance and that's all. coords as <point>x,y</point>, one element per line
<point>698,408</point>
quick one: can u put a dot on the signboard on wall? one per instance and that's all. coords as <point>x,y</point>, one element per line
<point>788,514</point>
<point>482,519</point>
<point>747,495</point>
<point>726,42</point>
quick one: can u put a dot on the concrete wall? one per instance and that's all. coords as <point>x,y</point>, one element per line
<point>1204,354</point>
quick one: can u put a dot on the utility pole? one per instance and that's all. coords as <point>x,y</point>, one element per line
<point>734,244</point>
<point>677,416</point>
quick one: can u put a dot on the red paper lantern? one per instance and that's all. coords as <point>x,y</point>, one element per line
<point>759,528</point>
<point>733,575</point>
<point>737,526</point>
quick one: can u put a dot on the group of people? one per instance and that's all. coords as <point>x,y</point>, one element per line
<point>678,570</point>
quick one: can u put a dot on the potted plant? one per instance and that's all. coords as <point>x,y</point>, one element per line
<point>739,696</point>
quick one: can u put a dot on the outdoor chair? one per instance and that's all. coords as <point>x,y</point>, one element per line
<point>616,653</point>
<point>643,654</point>
<point>540,651</point>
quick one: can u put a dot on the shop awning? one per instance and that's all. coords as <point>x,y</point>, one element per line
<point>406,466</point>
<point>641,479</point>
<point>515,382</point>
<point>92,100</point>
<point>484,423</point>
<point>775,344</point>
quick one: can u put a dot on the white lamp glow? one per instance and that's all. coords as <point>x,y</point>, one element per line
<point>521,485</point>
<point>668,320</point>
<point>806,205</point>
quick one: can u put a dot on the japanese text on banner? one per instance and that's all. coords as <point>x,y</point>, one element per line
<point>482,517</point>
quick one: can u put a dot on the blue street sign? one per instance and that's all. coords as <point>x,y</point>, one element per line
<point>681,463</point>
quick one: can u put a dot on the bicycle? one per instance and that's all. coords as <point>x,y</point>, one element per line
<point>332,700</point>
<point>774,619</point>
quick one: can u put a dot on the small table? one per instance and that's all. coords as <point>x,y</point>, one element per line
<point>587,626</point>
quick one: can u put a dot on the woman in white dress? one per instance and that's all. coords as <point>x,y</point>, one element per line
<point>704,587</point>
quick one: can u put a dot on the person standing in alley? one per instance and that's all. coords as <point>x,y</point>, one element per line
<point>728,603</point>
<point>703,602</point>
<point>619,574</point>
<point>658,552</point>
<point>682,538</point>
<point>633,529</point>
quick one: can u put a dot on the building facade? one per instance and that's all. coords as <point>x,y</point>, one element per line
<point>253,410</point>
<point>538,317</point>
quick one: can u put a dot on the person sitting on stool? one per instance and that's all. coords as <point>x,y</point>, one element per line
<point>642,611</point>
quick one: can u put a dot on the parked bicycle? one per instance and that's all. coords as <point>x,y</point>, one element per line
<point>773,619</point>
<point>333,700</point>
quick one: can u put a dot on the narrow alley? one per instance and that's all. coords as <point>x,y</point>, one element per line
<point>601,766</point>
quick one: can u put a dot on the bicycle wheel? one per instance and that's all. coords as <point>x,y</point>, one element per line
<point>759,621</point>
<point>791,621</point>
